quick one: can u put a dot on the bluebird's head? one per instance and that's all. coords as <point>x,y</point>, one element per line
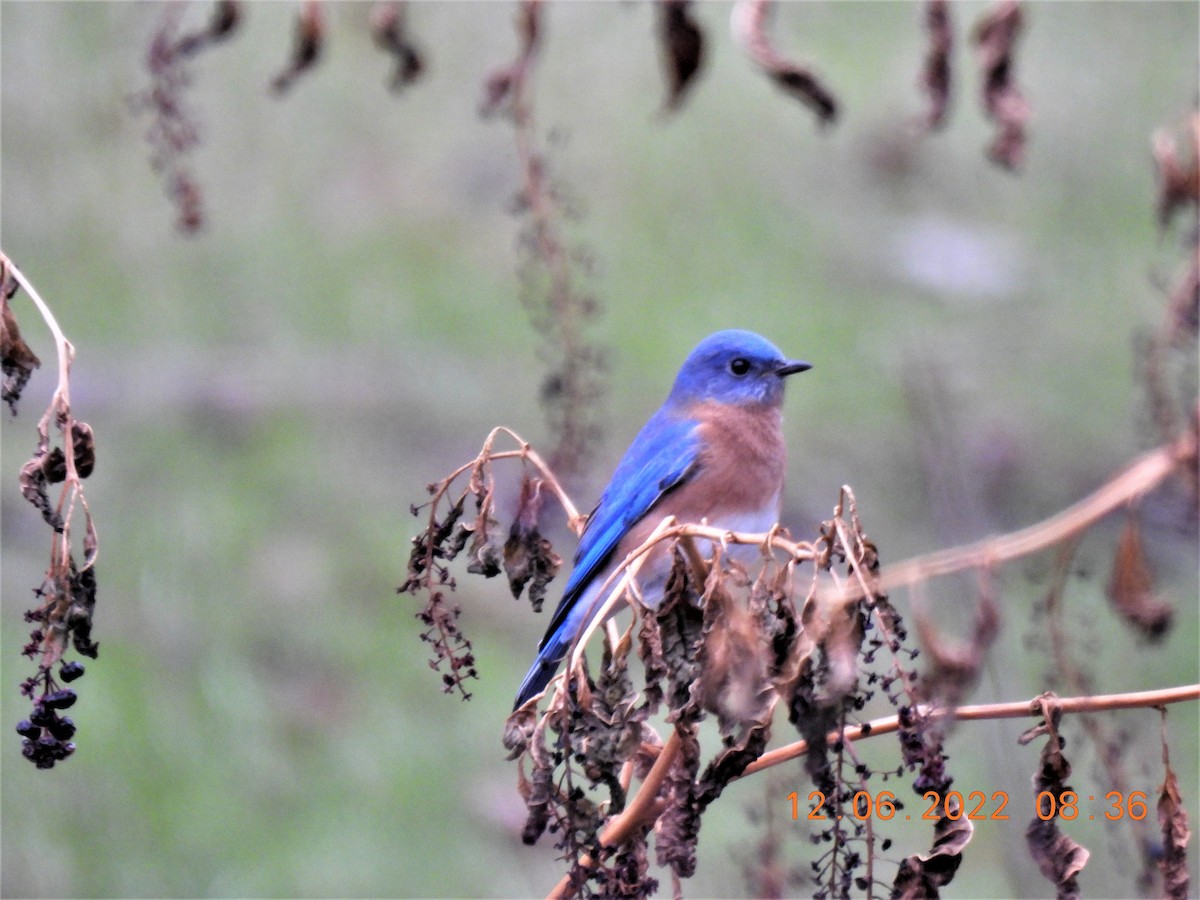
<point>738,367</point>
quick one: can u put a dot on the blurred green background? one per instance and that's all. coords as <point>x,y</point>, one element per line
<point>269,397</point>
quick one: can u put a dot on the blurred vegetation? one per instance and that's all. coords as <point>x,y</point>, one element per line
<point>270,396</point>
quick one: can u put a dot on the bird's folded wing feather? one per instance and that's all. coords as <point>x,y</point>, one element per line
<point>662,457</point>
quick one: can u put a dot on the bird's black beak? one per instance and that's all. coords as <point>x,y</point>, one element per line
<point>791,367</point>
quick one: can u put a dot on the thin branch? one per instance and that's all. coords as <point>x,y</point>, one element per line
<point>1139,477</point>
<point>64,348</point>
<point>1012,710</point>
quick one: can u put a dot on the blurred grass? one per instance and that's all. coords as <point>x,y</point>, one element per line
<point>270,397</point>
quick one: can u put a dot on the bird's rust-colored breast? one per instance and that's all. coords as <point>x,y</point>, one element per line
<point>743,461</point>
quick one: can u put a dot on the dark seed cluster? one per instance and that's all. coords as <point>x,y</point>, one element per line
<point>46,736</point>
<point>63,619</point>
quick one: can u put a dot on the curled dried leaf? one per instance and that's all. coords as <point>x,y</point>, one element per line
<point>1178,178</point>
<point>996,37</point>
<point>749,29</point>
<point>682,44</point>
<point>679,825</point>
<point>83,443</point>
<point>16,359</point>
<point>34,483</point>
<point>310,37</point>
<point>484,557</point>
<point>1131,586</point>
<point>389,27</point>
<point>1059,857</point>
<point>923,874</point>
<point>680,626</point>
<point>954,666</point>
<point>529,558</point>
<point>82,610</point>
<point>936,76</point>
<point>84,448</point>
<point>501,84</point>
<point>607,727</point>
<point>538,790</point>
<point>735,658</point>
<point>226,16</point>
<point>518,730</point>
<point>1173,819</point>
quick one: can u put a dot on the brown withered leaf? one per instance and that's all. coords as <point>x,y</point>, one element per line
<point>83,607</point>
<point>1178,179</point>
<point>500,84</point>
<point>607,727</point>
<point>1184,303</point>
<point>310,37</point>
<point>1131,586</point>
<point>389,26</point>
<point>936,76</point>
<point>55,463</point>
<point>483,557</point>
<point>996,39</point>
<point>226,16</point>
<point>1173,818</point>
<point>33,487</point>
<point>749,29</point>
<point>679,825</point>
<point>922,874</point>
<point>682,44</point>
<point>791,645</point>
<point>680,628</point>
<point>654,667</point>
<point>529,558</point>
<point>840,640</point>
<point>538,791</point>
<point>84,444</point>
<point>16,359</point>
<point>952,666</point>
<point>1059,857</point>
<point>518,730</point>
<point>735,657</point>
<point>730,763</point>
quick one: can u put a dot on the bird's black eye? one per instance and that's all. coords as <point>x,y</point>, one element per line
<point>739,366</point>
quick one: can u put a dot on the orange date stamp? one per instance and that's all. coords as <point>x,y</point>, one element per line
<point>975,806</point>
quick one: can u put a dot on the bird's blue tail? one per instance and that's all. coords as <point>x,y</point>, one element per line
<point>542,670</point>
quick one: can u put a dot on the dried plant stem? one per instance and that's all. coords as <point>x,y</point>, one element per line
<point>59,412</point>
<point>1012,710</point>
<point>575,521</point>
<point>67,595</point>
<point>1142,475</point>
<point>64,348</point>
<point>560,312</point>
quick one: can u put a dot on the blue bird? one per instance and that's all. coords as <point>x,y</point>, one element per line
<point>713,451</point>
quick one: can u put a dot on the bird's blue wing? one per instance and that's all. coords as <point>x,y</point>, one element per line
<point>661,457</point>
